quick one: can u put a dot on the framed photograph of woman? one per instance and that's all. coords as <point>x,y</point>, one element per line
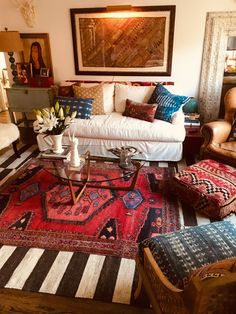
<point>37,52</point>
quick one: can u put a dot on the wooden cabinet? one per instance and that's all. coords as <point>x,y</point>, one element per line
<point>192,143</point>
<point>25,99</point>
<point>21,103</point>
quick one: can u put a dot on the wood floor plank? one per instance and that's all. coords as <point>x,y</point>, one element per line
<point>56,272</point>
<point>23,270</point>
<point>88,283</point>
<point>5,252</point>
<point>124,282</point>
<point>16,301</point>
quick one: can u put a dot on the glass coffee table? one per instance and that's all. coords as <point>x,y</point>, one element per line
<point>94,172</point>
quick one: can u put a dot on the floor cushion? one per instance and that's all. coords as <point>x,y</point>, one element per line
<point>179,253</point>
<point>209,186</point>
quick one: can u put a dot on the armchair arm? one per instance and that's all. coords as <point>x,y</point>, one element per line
<point>216,132</point>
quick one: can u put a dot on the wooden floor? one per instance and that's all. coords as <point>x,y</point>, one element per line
<point>16,301</point>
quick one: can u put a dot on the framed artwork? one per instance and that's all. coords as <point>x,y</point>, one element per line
<point>137,42</point>
<point>24,73</point>
<point>44,72</point>
<point>37,52</point>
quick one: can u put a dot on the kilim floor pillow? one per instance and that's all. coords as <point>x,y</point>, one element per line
<point>209,186</point>
<point>179,253</point>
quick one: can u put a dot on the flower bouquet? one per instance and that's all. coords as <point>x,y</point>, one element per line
<point>53,121</point>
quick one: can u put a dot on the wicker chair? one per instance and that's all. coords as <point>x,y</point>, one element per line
<point>201,294</point>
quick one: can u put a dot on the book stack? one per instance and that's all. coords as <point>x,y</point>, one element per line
<point>192,119</point>
<point>50,154</point>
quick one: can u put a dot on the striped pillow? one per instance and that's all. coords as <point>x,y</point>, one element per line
<point>83,106</point>
<point>167,102</point>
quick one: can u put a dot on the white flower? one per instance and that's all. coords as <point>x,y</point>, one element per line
<point>68,121</point>
<point>53,120</point>
<point>50,123</point>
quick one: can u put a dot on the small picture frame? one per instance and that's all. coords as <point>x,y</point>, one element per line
<point>44,72</point>
<point>24,73</point>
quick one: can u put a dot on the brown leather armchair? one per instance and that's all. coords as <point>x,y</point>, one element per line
<point>216,134</point>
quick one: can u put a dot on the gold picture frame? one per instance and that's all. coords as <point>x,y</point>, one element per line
<point>40,41</point>
<point>137,42</point>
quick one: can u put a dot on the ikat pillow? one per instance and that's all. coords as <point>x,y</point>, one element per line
<point>140,111</point>
<point>83,106</point>
<point>95,92</point>
<point>167,103</point>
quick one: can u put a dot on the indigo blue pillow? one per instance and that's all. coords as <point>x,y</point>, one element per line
<point>167,103</point>
<point>83,106</point>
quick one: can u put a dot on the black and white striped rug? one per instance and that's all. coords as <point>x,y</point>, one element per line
<point>72,274</point>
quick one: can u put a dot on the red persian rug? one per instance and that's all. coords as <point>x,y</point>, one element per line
<point>36,211</point>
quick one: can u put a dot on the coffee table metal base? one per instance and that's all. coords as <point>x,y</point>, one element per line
<point>87,184</point>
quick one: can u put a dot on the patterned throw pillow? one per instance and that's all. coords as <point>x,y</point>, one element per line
<point>191,248</point>
<point>191,106</point>
<point>83,106</point>
<point>140,111</point>
<point>66,91</point>
<point>95,92</point>
<point>167,102</point>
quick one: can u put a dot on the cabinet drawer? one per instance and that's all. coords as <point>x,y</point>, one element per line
<point>193,131</point>
<point>25,99</point>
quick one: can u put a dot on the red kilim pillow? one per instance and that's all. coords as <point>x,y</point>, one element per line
<point>140,111</point>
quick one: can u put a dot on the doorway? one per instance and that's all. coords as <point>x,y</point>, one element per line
<point>4,82</point>
<point>219,27</point>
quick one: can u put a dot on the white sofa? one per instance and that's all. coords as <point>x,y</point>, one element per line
<point>158,140</point>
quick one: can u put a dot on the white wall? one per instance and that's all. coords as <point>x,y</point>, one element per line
<point>53,17</point>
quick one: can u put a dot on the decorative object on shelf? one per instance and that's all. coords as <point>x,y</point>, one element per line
<point>53,121</point>
<point>192,119</point>
<point>27,10</point>
<point>74,154</point>
<point>24,73</point>
<point>10,42</point>
<point>36,50</point>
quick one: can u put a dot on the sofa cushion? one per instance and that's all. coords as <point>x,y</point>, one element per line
<point>139,110</point>
<point>114,126</point>
<point>108,94</point>
<point>167,102</point>
<point>139,94</point>
<point>179,253</point>
<point>83,106</point>
<point>95,92</point>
